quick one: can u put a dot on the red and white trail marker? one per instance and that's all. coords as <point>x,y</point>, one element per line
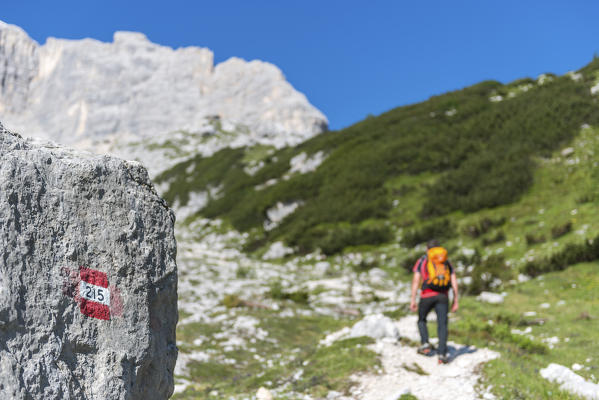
<point>94,295</point>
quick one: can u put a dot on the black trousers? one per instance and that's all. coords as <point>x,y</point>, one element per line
<point>441,305</point>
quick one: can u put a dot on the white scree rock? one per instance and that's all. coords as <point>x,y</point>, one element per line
<point>376,326</point>
<point>263,394</point>
<point>88,278</point>
<point>490,297</point>
<point>570,381</point>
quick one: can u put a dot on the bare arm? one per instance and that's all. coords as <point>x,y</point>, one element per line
<point>454,286</point>
<point>415,284</point>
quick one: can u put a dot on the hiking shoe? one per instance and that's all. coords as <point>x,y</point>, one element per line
<point>443,359</point>
<point>426,349</point>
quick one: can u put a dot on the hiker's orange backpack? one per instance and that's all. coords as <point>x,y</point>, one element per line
<point>439,278</point>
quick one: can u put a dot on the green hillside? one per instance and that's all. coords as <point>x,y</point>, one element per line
<point>443,160</point>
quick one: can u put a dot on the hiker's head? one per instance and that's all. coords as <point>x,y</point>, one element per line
<point>432,243</point>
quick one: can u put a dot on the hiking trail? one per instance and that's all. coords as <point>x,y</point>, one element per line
<point>405,371</point>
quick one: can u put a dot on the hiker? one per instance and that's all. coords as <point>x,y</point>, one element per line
<point>437,276</point>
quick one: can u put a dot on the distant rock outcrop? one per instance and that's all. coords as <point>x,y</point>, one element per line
<point>86,92</point>
<point>88,279</point>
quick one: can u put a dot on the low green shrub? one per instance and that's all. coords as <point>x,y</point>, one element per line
<point>469,259</point>
<point>561,230</point>
<point>333,238</point>
<point>534,239</point>
<point>483,226</point>
<point>278,293</point>
<point>408,263</point>
<point>254,244</point>
<point>488,274</point>
<point>587,198</point>
<point>403,190</point>
<point>440,230</point>
<point>407,396</point>
<point>365,265</point>
<point>499,237</point>
<point>569,255</point>
<point>242,272</point>
<point>232,301</point>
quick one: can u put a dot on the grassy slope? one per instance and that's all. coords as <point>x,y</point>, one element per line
<point>572,317</point>
<point>426,158</point>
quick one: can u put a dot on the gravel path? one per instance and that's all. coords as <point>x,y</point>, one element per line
<point>456,380</point>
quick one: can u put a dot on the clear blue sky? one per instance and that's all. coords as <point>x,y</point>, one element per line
<point>350,58</point>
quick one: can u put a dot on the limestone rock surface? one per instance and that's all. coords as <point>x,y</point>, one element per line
<point>376,326</point>
<point>570,381</point>
<point>88,278</point>
<point>85,92</point>
<point>490,297</point>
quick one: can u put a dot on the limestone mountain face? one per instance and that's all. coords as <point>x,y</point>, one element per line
<point>85,92</point>
<point>88,278</point>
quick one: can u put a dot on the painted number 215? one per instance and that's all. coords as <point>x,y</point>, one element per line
<point>92,293</point>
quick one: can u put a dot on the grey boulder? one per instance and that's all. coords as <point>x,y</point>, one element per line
<point>88,278</point>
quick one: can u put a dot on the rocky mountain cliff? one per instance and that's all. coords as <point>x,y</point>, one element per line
<point>88,278</point>
<point>85,93</point>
